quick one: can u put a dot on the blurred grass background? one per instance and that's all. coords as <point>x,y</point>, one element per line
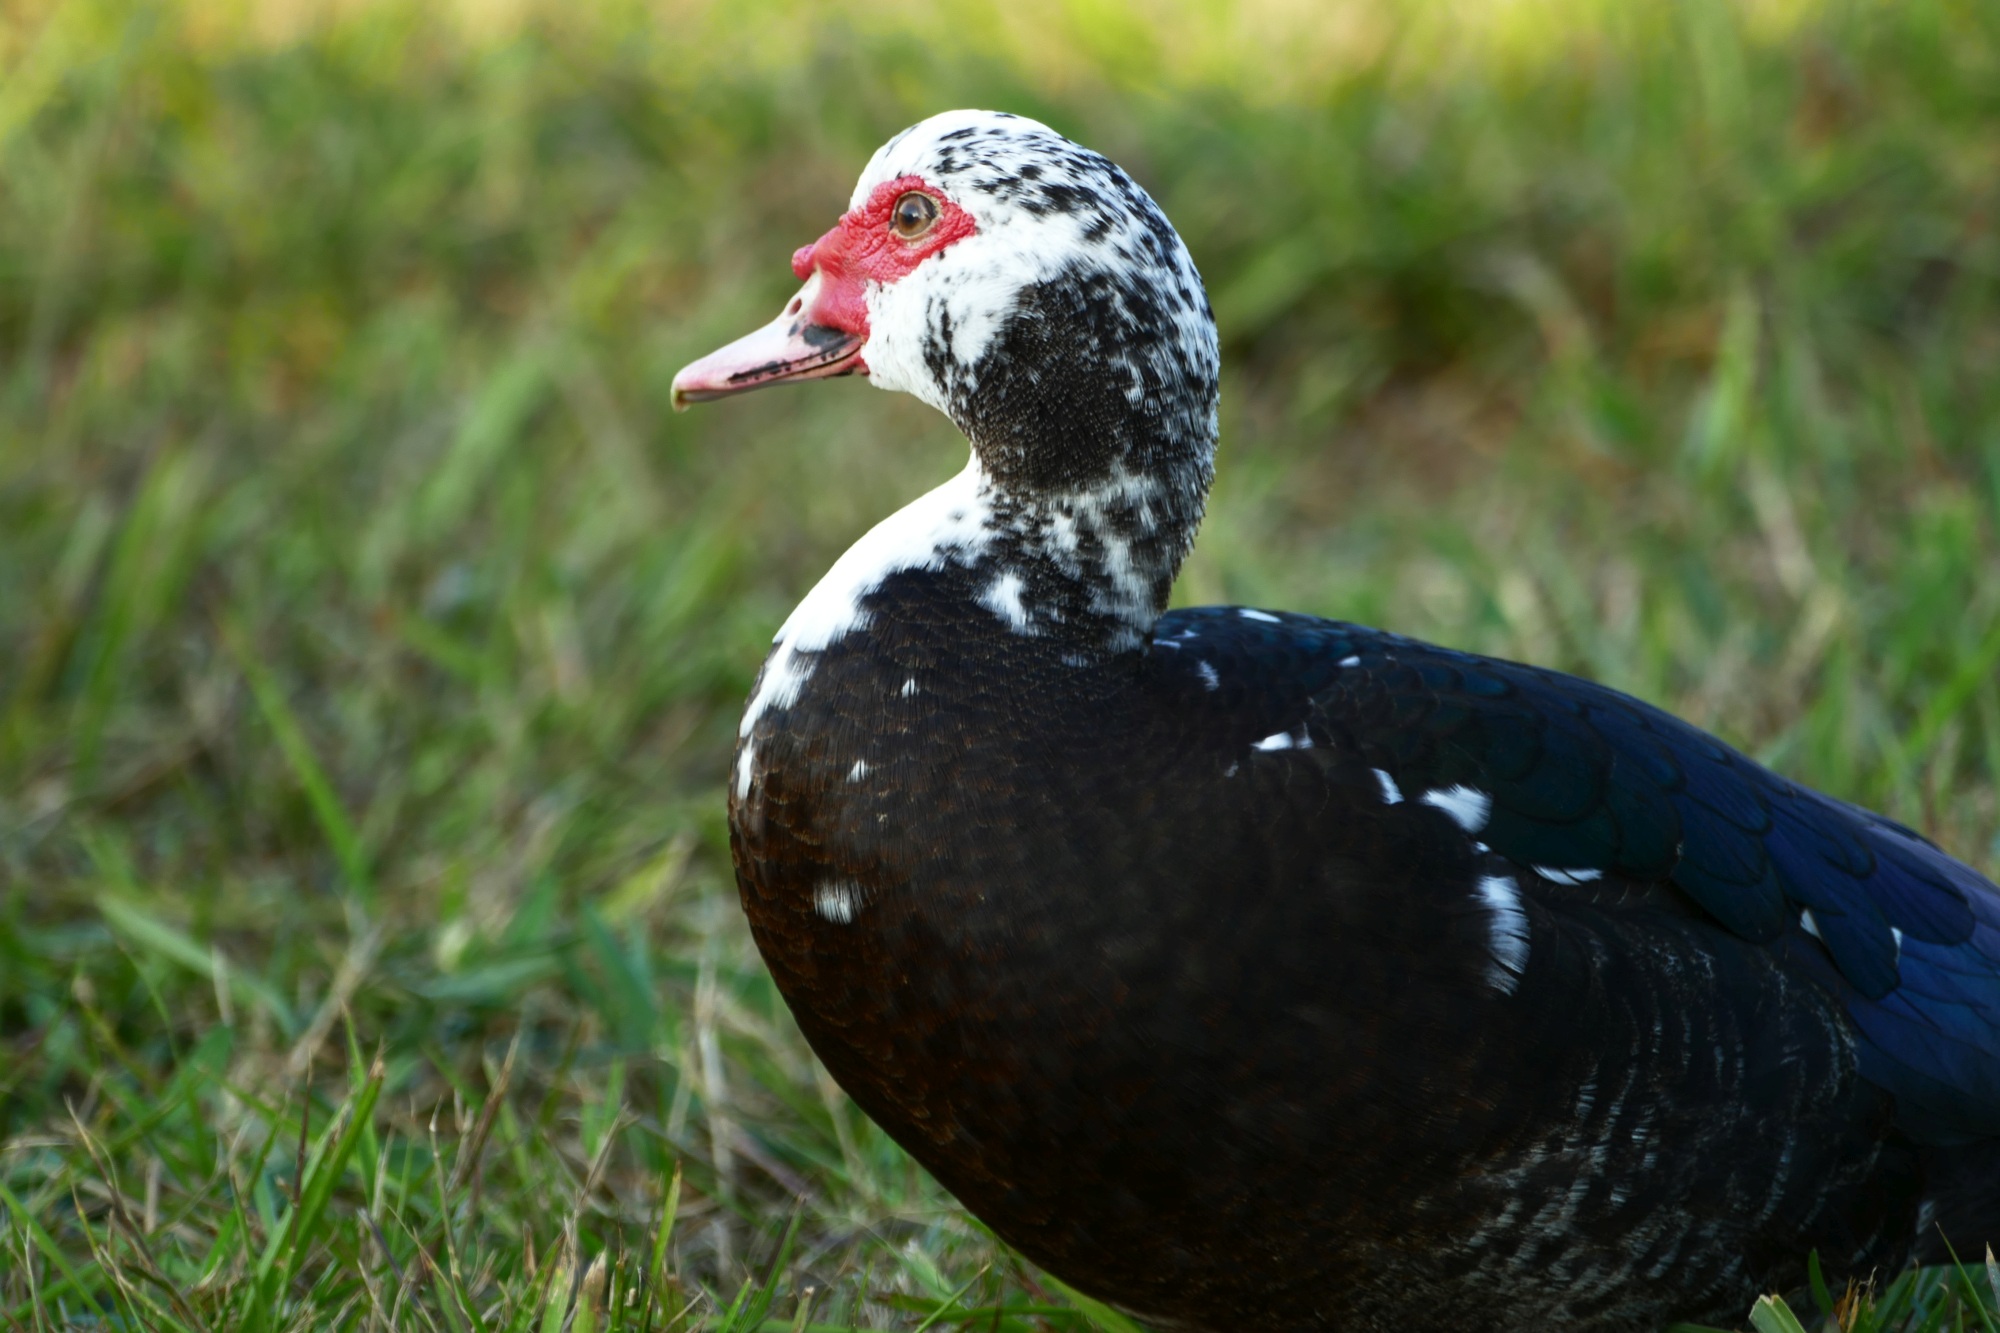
<point>372,636</point>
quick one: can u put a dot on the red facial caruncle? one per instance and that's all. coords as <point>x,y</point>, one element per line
<point>865,246</point>
<point>902,223</point>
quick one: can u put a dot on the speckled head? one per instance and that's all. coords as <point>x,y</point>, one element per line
<point>1018,282</point>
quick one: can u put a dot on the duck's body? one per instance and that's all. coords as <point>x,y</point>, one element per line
<point>1252,970</point>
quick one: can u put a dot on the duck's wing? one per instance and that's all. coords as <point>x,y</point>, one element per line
<point>1577,780</point>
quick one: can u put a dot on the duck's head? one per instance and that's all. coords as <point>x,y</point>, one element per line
<point>1021,284</point>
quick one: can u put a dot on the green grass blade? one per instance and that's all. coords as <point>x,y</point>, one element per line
<point>155,937</point>
<point>1772,1315</point>
<point>1101,1315</point>
<point>1822,1298</point>
<point>663,1229</point>
<point>326,1168</point>
<point>52,1251</point>
<point>950,1302</point>
<point>326,807</point>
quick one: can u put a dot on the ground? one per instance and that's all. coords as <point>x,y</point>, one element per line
<point>374,635</point>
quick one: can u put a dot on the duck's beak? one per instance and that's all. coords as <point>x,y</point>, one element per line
<point>794,346</point>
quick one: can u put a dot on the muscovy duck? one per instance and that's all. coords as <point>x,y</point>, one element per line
<point>1252,970</point>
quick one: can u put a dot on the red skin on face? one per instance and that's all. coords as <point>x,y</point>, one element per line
<point>861,248</point>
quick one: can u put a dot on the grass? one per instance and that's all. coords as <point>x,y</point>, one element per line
<point>374,636</point>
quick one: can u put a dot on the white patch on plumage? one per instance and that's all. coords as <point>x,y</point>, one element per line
<point>1353,660</point>
<point>837,900</point>
<point>1508,935</point>
<point>946,526</point>
<point>859,771</point>
<point>1558,875</point>
<point>1277,740</point>
<point>1208,676</point>
<point>1391,793</point>
<point>909,690</point>
<point>1810,925</point>
<point>1264,616</point>
<point>1003,598</point>
<point>1467,806</point>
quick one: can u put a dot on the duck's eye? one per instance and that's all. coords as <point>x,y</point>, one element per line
<point>913,215</point>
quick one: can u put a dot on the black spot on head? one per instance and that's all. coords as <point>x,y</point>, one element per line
<point>938,358</point>
<point>1060,197</point>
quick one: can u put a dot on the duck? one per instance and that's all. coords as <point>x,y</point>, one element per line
<point>1248,969</point>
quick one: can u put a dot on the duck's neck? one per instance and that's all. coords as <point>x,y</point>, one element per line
<point>1092,416</point>
<point>1085,571</point>
<point>1088,568</point>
